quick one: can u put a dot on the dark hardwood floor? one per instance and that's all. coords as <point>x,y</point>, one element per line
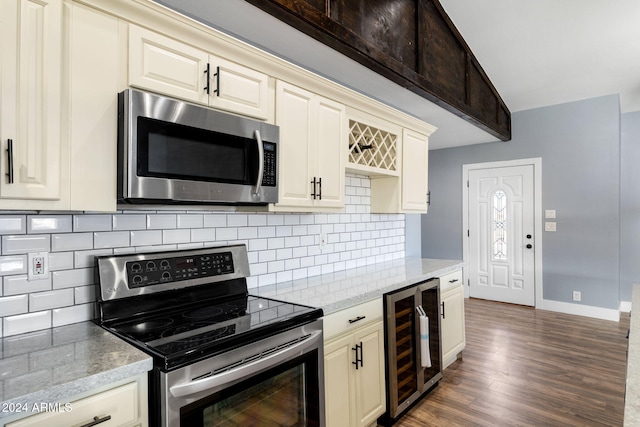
<point>527,367</point>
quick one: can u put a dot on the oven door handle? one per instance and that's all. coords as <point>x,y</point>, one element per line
<point>246,370</point>
<point>258,138</point>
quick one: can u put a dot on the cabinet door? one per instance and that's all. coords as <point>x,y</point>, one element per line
<point>370,383</point>
<point>117,407</point>
<point>293,115</point>
<point>339,382</point>
<point>330,130</point>
<point>162,64</point>
<point>415,161</point>
<point>93,67</point>
<point>453,335</point>
<point>30,85</point>
<point>238,89</point>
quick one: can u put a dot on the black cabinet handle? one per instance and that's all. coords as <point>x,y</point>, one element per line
<point>358,358</point>
<point>314,182</point>
<point>319,188</point>
<point>96,421</point>
<point>207,87</point>
<point>453,281</point>
<point>357,319</point>
<point>443,316</point>
<point>10,161</point>
<point>217,74</point>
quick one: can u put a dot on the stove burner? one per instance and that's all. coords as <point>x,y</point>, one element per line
<point>148,326</point>
<point>203,313</point>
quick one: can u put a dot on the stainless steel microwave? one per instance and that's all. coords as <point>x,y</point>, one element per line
<point>174,152</point>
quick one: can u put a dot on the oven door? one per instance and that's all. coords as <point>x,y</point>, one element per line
<point>278,381</point>
<point>173,151</point>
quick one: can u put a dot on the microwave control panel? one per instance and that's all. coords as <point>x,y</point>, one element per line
<point>269,175</point>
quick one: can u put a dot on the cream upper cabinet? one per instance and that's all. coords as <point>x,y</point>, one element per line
<point>453,324</point>
<point>312,131</point>
<point>94,67</point>
<point>34,154</point>
<point>164,65</point>
<point>354,366</point>
<point>59,106</point>
<point>415,177</point>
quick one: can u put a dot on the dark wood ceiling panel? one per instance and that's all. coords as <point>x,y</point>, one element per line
<point>389,26</point>
<point>443,60</point>
<point>411,42</point>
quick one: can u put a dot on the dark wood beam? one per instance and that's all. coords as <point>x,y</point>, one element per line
<point>412,43</point>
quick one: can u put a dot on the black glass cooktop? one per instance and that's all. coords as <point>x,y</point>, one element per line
<point>201,330</point>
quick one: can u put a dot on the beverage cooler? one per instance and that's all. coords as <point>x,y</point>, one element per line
<point>412,346</point>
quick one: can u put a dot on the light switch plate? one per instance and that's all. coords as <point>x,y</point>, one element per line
<point>550,213</point>
<point>549,226</point>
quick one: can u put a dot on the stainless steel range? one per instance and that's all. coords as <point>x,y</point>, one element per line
<point>221,356</point>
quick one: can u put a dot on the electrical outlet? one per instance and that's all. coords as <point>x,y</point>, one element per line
<point>322,240</point>
<point>38,266</point>
<point>577,296</point>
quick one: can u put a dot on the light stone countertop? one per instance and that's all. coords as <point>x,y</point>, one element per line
<point>337,291</point>
<point>56,364</point>
<point>632,397</point>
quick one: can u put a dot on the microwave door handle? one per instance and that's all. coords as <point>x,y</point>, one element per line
<point>258,138</point>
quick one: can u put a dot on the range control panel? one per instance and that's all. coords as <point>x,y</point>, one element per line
<point>174,269</point>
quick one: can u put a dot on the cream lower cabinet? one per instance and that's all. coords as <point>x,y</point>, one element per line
<point>452,324</point>
<point>312,131</point>
<point>354,368</point>
<point>121,406</point>
<point>166,65</point>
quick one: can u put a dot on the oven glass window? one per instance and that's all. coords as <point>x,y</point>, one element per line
<point>284,396</point>
<point>169,150</point>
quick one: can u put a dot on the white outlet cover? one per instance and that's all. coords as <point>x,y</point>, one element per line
<point>31,259</point>
<point>550,213</point>
<point>549,226</point>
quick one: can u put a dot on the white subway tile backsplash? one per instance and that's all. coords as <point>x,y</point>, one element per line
<point>13,224</point>
<point>73,314</point>
<point>282,247</point>
<point>84,223</point>
<point>84,259</point>
<point>52,299</point>
<point>176,236</point>
<point>71,242</point>
<point>72,278</point>
<point>23,323</point>
<point>14,285</point>
<point>190,221</point>
<point>49,224</point>
<point>61,261</point>
<point>13,305</point>
<point>129,222</point>
<point>111,239</point>
<point>161,222</point>
<point>13,264</point>
<point>21,244</point>
<point>146,237</point>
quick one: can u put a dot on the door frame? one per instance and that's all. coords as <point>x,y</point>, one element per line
<point>536,162</point>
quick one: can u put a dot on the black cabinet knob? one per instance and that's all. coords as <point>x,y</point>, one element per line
<point>529,246</point>
<point>528,236</point>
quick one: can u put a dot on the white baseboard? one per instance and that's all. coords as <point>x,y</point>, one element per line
<point>581,310</point>
<point>625,307</point>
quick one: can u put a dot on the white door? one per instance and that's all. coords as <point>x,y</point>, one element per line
<point>501,241</point>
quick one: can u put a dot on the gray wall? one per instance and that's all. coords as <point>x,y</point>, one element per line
<point>630,204</point>
<point>579,144</point>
